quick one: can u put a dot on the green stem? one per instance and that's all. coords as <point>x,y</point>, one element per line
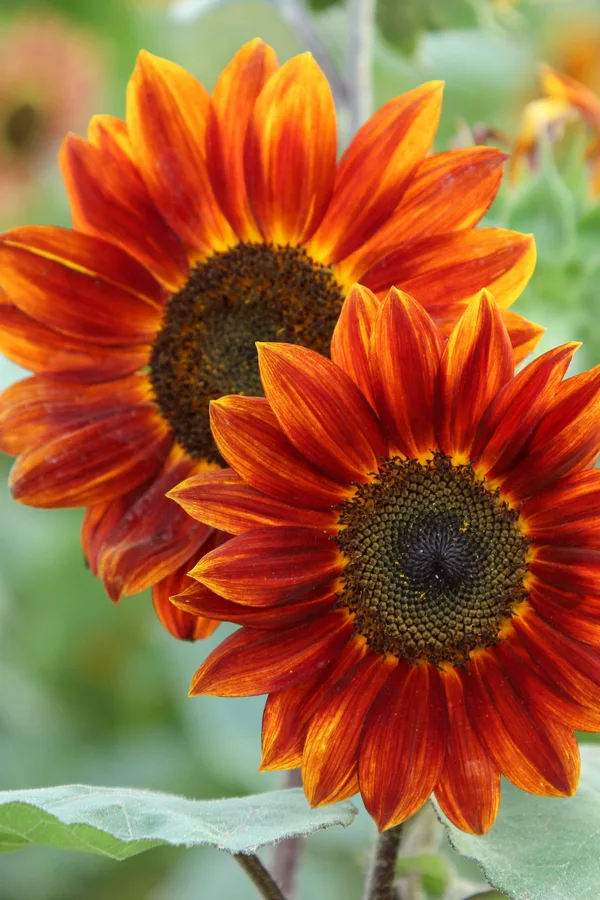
<point>380,883</point>
<point>255,870</point>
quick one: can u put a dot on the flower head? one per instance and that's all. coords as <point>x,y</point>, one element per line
<point>416,554</point>
<point>203,223</point>
<point>49,80</point>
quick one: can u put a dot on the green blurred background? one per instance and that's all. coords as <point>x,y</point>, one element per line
<point>91,692</point>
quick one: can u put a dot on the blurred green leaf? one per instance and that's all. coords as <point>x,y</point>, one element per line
<point>542,848</point>
<point>545,207</point>
<point>487,895</point>
<point>433,870</point>
<point>119,822</point>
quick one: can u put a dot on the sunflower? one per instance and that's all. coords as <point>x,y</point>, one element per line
<point>416,552</point>
<point>203,223</point>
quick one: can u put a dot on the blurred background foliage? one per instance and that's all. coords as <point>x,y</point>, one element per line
<point>95,693</point>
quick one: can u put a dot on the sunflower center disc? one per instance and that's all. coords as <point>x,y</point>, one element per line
<point>206,346</point>
<point>436,561</point>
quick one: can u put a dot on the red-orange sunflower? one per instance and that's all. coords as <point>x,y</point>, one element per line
<point>203,223</point>
<point>416,561</point>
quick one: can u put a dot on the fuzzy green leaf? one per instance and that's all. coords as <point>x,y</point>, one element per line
<point>542,848</point>
<point>119,822</point>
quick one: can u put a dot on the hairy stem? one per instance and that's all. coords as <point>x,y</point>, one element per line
<point>286,854</point>
<point>380,883</point>
<point>361,32</point>
<point>263,881</point>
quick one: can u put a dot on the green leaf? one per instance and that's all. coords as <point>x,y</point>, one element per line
<point>545,207</point>
<point>119,822</point>
<point>542,848</point>
<point>433,871</point>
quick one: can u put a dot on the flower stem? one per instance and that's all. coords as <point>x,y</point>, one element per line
<point>361,33</point>
<point>263,881</point>
<point>286,854</point>
<point>380,883</point>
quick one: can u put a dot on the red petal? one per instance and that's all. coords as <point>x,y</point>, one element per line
<point>182,625</point>
<point>568,512</point>
<point>153,538</point>
<point>272,565</point>
<point>167,111</point>
<point>39,409</point>
<point>109,199</point>
<point>476,364</point>
<point>548,694</point>
<point>222,499</point>
<point>402,750</point>
<point>406,347</point>
<point>330,759</point>
<point>574,569</point>
<point>290,152</point>
<point>443,271</point>
<point>94,463</point>
<point>78,284</point>
<point>516,410</point>
<point>41,349</point>
<point>468,789</point>
<point>567,613</point>
<point>376,169</point>
<point>251,440</point>
<point>321,411</point>
<point>201,601</point>
<point>100,519</point>
<point>352,334</point>
<point>524,335</point>
<point>288,713</point>
<point>536,753</point>
<point>256,662</point>
<point>566,438</point>
<point>449,191</point>
<point>233,99</point>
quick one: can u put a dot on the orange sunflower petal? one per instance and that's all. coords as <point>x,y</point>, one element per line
<point>201,601</point>
<point>545,692</point>
<point>232,104</point>
<point>272,565</point>
<point>38,409</point>
<point>572,665</point>
<point>41,349</point>
<point>167,111</point>
<point>257,662</point>
<point>290,152</point>
<point>338,722</point>
<point>80,285</point>
<point>568,512</point>
<point>375,171</point>
<point>95,462</point>
<point>517,408</point>
<point>567,613</point>
<point>223,500</point>
<point>352,335</point>
<point>406,347</point>
<point>537,754</point>
<point>250,438</point>
<point>108,197</point>
<point>402,750</point>
<point>563,87</point>
<point>524,335</point>
<point>321,411</point>
<point>567,438</point>
<point>154,536</point>
<point>476,364</point>
<point>182,625</point>
<point>449,191</point>
<point>288,713</point>
<point>443,271</point>
<point>468,789</point>
<point>574,569</point>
